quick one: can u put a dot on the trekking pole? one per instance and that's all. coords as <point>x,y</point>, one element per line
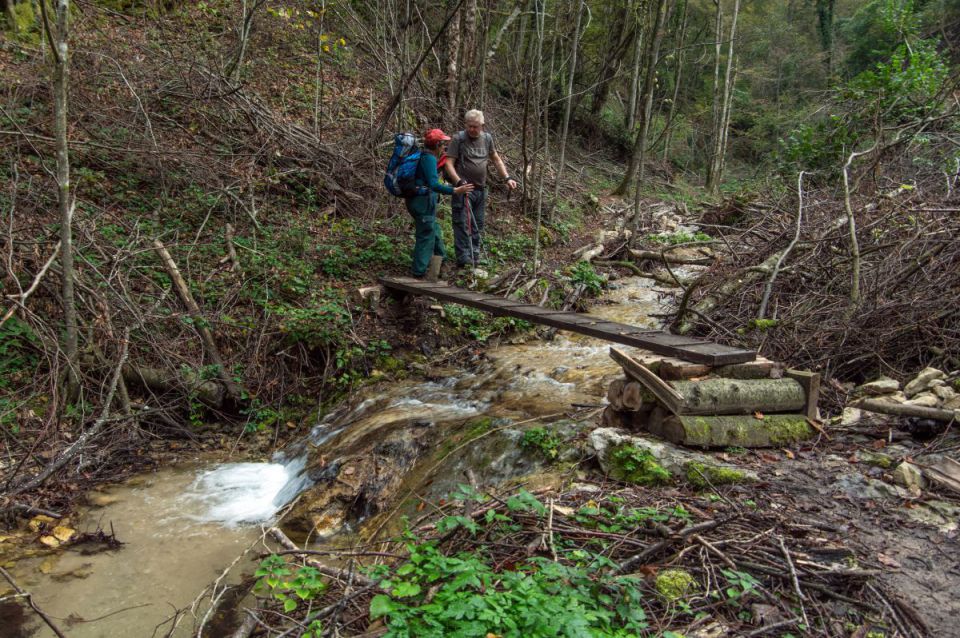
<point>468,211</point>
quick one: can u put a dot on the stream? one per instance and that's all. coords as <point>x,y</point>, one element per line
<point>182,527</point>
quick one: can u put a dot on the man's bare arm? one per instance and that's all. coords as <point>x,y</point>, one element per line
<point>451,171</point>
<point>502,169</point>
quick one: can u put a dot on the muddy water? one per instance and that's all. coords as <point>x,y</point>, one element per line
<point>182,527</point>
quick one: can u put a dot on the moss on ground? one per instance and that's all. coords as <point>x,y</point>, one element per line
<point>675,584</point>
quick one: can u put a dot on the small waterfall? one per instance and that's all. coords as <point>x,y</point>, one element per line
<point>238,493</point>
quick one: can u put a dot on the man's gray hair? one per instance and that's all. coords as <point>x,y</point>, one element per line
<point>473,115</point>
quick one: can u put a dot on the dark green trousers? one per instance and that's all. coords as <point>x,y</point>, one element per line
<point>429,242</point>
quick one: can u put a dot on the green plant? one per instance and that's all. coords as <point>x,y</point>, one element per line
<point>583,274</point>
<point>479,325</point>
<point>18,355</point>
<point>433,594</point>
<point>279,582</point>
<point>544,441</point>
<point>678,237</point>
<point>739,585</point>
<point>637,465</point>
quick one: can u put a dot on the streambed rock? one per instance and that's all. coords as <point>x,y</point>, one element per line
<point>681,464</point>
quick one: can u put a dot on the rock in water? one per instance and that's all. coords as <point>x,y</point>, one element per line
<point>923,381</point>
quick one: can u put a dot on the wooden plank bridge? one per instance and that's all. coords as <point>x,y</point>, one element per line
<point>656,341</point>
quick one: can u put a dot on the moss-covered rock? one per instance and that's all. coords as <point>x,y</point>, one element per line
<point>675,584</point>
<point>637,465</point>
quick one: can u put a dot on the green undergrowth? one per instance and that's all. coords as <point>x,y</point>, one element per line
<point>544,442</point>
<point>479,325</point>
<point>637,465</point>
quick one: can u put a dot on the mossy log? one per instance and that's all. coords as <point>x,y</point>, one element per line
<point>773,430</point>
<point>740,396</point>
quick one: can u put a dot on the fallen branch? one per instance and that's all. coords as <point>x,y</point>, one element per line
<point>326,570</point>
<point>33,605</point>
<point>902,409</point>
<point>84,438</point>
<point>199,322</point>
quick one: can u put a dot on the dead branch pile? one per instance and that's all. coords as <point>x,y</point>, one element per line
<point>789,293</point>
<point>743,571</point>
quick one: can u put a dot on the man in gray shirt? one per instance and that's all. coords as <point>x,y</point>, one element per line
<point>467,158</point>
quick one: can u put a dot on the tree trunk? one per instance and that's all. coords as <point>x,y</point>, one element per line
<point>453,54</point>
<point>568,105</point>
<point>723,109</point>
<point>825,30</point>
<point>668,125</point>
<point>620,41</point>
<point>469,35</point>
<point>635,167</point>
<point>630,115</point>
<point>542,101</point>
<point>61,78</point>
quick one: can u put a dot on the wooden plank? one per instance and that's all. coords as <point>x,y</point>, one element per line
<point>811,385</point>
<point>658,342</point>
<point>669,397</point>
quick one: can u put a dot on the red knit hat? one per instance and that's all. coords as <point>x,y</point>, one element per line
<point>434,136</point>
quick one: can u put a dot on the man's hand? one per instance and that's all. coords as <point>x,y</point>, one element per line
<point>462,188</point>
<point>512,183</point>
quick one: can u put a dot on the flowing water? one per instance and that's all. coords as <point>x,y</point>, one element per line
<point>182,527</point>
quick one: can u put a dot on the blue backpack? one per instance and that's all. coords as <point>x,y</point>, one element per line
<point>400,176</point>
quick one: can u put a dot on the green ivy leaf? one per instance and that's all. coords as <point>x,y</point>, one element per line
<point>381,605</point>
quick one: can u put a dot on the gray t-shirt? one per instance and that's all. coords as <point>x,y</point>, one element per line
<point>470,156</point>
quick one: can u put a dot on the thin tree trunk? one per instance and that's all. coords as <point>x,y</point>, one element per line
<point>715,105</point>
<point>59,47</point>
<point>681,37</point>
<point>511,17</point>
<point>630,116</point>
<point>541,10</point>
<point>568,106</point>
<point>635,168</point>
<point>620,41</point>
<point>722,123</point>
<point>469,34</point>
<point>453,54</point>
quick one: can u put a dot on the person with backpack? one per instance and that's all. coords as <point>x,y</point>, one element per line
<point>467,158</point>
<point>422,202</point>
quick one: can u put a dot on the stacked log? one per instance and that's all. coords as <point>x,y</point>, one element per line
<point>754,404</point>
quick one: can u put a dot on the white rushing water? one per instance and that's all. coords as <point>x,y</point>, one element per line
<point>239,493</point>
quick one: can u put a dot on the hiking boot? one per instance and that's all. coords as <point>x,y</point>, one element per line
<point>447,271</point>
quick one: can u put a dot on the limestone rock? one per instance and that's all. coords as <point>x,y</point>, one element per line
<point>896,397</point>
<point>851,416</point>
<point>952,404</point>
<point>944,392</point>
<point>883,385</point>
<point>923,381</point>
<point>924,399</point>
<point>909,476</point>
